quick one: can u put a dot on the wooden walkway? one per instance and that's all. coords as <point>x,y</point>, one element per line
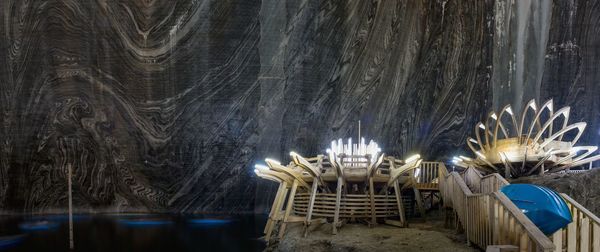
<point>488,217</point>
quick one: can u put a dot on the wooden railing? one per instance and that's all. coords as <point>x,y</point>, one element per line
<point>430,174</point>
<point>490,218</point>
<point>351,205</point>
<point>583,234</point>
<point>492,183</point>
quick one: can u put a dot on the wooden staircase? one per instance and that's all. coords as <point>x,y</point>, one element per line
<point>489,218</point>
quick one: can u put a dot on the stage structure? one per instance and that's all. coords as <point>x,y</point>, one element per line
<point>351,182</point>
<point>539,141</point>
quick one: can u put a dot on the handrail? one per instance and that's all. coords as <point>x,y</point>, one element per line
<point>430,175</point>
<point>489,217</point>
<point>580,208</point>
<point>541,240</point>
<point>583,234</point>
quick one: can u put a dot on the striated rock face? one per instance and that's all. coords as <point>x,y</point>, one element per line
<point>166,105</point>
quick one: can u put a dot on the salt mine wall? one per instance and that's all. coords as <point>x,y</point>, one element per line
<point>166,105</point>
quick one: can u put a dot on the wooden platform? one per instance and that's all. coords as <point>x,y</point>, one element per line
<point>346,188</point>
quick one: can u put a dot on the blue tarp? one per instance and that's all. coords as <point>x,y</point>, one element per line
<point>544,207</point>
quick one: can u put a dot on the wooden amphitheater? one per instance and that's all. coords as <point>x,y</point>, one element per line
<point>357,183</point>
<point>353,182</point>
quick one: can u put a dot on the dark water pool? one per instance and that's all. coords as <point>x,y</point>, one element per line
<point>132,233</point>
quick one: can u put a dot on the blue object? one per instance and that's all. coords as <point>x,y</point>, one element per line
<point>10,241</point>
<point>209,222</point>
<point>544,207</point>
<point>38,225</point>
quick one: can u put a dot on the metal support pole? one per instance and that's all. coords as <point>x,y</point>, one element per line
<point>69,177</point>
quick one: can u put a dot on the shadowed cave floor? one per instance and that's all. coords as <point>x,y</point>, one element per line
<point>420,236</point>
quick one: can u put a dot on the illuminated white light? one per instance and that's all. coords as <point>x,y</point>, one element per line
<point>269,160</point>
<point>509,110</point>
<point>550,106</point>
<point>455,161</point>
<point>256,171</point>
<point>261,167</point>
<point>480,155</point>
<point>473,141</point>
<point>355,149</point>
<point>494,116</point>
<point>417,172</point>
<point>413,158</point>
<point>293,154</point>
<point>465,158</point>
<point>481,126</point>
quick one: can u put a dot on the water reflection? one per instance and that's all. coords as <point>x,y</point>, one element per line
<point>42,225</point>
<point>137,233</point>
<point>11,241</point>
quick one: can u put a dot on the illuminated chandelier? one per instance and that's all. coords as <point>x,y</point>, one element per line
<point>539,142</point>
<point>353,181</point>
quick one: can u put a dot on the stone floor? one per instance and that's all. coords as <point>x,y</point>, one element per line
<point>420,236</point>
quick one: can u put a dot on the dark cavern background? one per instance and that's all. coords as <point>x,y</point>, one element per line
<point>166,105</point>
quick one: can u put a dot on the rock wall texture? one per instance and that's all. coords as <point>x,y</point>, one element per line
<point>166,105</point>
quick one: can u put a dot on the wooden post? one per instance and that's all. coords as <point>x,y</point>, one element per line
<point>557,239</point>
<point>584,236</point>
<point>372,194</point>
<point>288,208</point>
<point>311,205</point>
<point>467,222</point>
<point>273,206</point>
<point>276,214</point>
<point>419,200</point>
<point>400,203</point>
<point>338,199</point>
<point>572,233</point>
<point>70,184</point>
<point>596,238</point>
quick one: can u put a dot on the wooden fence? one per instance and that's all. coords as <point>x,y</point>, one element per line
<point>429,175</point>
<point>489,217</point>
<point>351,205</point>
<point>583,234</point>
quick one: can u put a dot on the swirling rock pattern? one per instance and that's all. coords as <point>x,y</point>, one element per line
<point>166,105</point>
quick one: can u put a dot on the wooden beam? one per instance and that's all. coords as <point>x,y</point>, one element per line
<point>338,198</point>
<point>288,209</point>
<point>273,206</point>
<point>372,196</point>
<point>311,205</point>
<point>277,207</point>
<point>399,202</point>
<point>419,200</point>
